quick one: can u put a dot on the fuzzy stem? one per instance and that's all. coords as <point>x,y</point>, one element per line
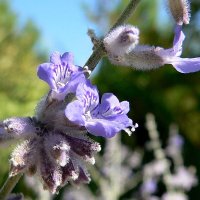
<point>8,186</point>
<point>99,51</point>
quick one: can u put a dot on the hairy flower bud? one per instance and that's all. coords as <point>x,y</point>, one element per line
<point>83,177</point>
<point>58,148</point>
<point>57,155</point>
<point>180,10</point>
<point>22,157</point>
<point>50,172</point>
<point>17,127</point>
<point>69,172</point>
<point>121,40</point>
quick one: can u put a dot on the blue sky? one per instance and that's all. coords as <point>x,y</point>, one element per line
<point>62,23</point>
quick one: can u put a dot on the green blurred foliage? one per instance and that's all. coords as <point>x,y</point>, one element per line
<point>20,89</point>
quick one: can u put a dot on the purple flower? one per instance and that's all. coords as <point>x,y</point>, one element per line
<point>101,119</point>
<point>145,57</point>
<point>183,65</point>
<point>57,157</point>
<point>184,178</point>
<point>149,186</point>
<point>61,74</point>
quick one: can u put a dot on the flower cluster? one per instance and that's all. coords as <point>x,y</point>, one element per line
<point>56,145</point>
<point>105,117</point>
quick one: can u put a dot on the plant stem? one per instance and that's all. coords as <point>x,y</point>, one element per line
<point>8,186</point>
<point>126,13</point>
<point>99,51</point>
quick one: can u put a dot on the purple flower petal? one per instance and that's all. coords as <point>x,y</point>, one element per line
<point>172,56</point>
<point>108,127</point>
<point>102,127</point>
<point>105,119</point>
<point>145,57</point>
<point>178,40</point>
<point>88,94</point>
<point>75,112</point>
<point>44,72</point>
<point>61,74</point>
<point>108,103</point>
<point>125,106</point>
<point>75,80</point>
<point>111,107</point>
<point>55,58</point>
<point>67,58</point>
<point>187,65</point>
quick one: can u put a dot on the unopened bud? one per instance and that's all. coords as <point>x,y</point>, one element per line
<point>22,157</point>
<point>180,10</point>
<point>121,40</point>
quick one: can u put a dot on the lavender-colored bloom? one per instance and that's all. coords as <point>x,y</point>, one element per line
<point>153,57</point>
<point>146,57</point>
<point>184,178</point>
<point>61,74</point>
<point>176,140</point>
<point>101,119</point>
<point>57,156</point>
<point>174,146</point>
<point>149,186</point>
<point>156,168</point>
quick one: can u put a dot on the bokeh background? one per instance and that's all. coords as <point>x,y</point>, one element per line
<point>31,30</point>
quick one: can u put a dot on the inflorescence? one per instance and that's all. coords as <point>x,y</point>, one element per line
<point>56,142</point>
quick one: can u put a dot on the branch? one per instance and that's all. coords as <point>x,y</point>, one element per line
<point>99,52</point>
<point>8,186</point>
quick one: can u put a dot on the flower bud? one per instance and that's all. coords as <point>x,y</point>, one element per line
<point>17,127</point>
<point>50,172</point>
<point>22,157</point>
<point>180,10</point>
<point>69,172</point>
<point>83,176</point>
<point>121,40</point>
